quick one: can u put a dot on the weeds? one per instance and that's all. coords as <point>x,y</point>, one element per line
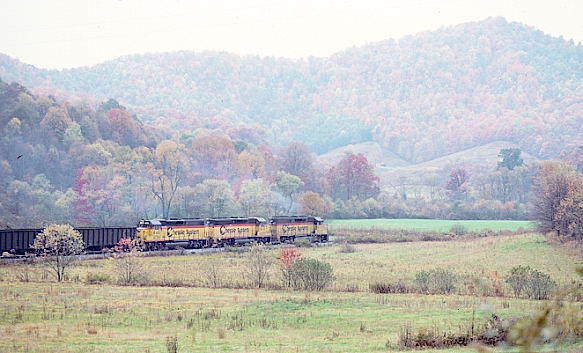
<point>362,236</point>
<point>172,344</point>
<point>437,281</point>
<point>346,248</point>
<point>391,287</point>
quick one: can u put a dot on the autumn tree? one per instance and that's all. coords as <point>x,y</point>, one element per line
<point>166,168</point>
<point>353,177</point>
<point>119,126</point>
<point>458,181</point>
<point>297,160</point>
<point>215,156</point>
<point>510,158</point>
<point>59,244</point>
<point>254,197</point>
<point>289,185</point>
<point>214,198</point>
<point>250,164</point>
<point>55,122</point>
<point>99,195</point>
<point>312,204</point>
<point>574,157</point>
<point>557,196</point>
<point>287,258</point>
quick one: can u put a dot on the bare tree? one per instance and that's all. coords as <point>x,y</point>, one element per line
<point>213,273</point>
<point>127,265</point>
<point>258,265</point>
<point>166,170</point>
<point>59,243</point>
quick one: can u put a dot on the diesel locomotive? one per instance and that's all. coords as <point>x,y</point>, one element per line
<point>160,234</point>
<point>157,234</point>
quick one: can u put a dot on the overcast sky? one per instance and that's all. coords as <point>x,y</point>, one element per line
<point>70,33</point>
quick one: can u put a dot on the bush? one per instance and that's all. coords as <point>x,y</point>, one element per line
<point>437,281</point>
<point>458,229</point>
<point>59,244</point>
<point>128,268</point>
<point>287,258</point>
<point>97,278</point>
<point>517,279</point>
<point>259,262</point>
<point>311,274</point>
<point>346,248</point>
<point>530,283</point>
<point>539,286</point>
<point>390,288</point>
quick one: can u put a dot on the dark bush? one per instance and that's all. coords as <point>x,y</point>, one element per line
<point>530,283</point>
<point>436,281</point>
<point>311,274</point>
<point>518,278</point>
<point>458,229</point>
<point>390,287</point>
<point>539,286</point>
<point>97,278</point>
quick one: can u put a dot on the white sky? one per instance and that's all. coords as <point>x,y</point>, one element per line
<point>69,33</point>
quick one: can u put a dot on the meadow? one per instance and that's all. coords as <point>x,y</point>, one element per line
<point>433,225</point>
<point>174,310</point>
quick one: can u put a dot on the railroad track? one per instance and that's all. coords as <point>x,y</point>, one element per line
<point>95,255</point>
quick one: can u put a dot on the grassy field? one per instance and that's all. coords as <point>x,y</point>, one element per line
<point>43,316</point>
<point>437,225</point>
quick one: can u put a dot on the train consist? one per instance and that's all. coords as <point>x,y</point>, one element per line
<point>160,234</point>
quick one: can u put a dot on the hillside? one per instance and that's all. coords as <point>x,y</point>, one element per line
<point>477,161</point>
<point>374,153</point>
<point>421,97</point>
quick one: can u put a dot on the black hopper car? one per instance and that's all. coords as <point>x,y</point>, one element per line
<point>19,241</point>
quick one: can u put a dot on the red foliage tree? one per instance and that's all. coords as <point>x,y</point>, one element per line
<point>353,177</point>
<point>297,160</point>
<point>84,212</point>
<point>458,178</point>
<point>287,258</point>
<point>121,127</point>
<point>215,156</point>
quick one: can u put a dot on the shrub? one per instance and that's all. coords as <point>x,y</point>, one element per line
<point>311,274</point>
<point>127,245</point>
<point>129,269</point>
<point>539,286</point>
<point>437,281</point>
<point>258,264</point>
<point>59,244</point>
<point>390,288</point>
<point>346,248</point>
<point>172,344</point>
<point>458,229</point>
<point>287,258</point>
<point>530,283</point>
<point>517,279</point>
<point>213,273</point>
<point>97,278</point>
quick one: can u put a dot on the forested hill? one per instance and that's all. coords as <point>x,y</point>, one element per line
<point>420,97</point>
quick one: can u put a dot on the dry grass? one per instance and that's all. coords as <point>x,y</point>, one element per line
<point>131,319</point>
<point>38,315</point>
<point>489,259</point>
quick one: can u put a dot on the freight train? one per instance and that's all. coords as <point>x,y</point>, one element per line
<point>161,234</point>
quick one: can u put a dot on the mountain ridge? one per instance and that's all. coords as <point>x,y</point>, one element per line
<point>421,97</point>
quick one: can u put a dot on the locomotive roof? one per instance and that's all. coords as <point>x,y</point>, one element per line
<point>239,219</point>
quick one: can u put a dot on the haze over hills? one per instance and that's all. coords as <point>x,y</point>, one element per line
<point>419,98</point>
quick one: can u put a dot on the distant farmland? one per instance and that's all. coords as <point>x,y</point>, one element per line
<point>438,225</point>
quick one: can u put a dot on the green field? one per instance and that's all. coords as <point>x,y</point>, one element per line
<point>436,225</point>
<point>39,315</point>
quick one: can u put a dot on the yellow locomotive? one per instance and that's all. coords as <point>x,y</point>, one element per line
<point>158,234</point>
